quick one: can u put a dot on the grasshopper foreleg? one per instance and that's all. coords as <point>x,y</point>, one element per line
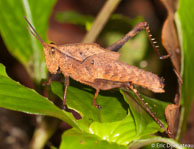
<point>65,90</point>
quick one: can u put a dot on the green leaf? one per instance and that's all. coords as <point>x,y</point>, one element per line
<point>72,139</point>
<point>80,100</point>
<point>145,124</point>
<point>184,21</point>
<point>16,36</point>
<point>14,96</point>
<point>121,132</point>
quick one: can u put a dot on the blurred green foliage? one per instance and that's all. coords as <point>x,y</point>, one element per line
<point>19,42</point>
<point>74,17</point>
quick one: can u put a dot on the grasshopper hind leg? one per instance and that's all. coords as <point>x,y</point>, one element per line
<point>130,86</point>
<point>139,27</point>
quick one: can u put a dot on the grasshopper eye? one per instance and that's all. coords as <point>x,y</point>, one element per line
<point>52,50</point>
<point>92,62</point>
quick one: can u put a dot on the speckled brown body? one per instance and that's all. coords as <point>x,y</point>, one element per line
<point>80,51</point>
<point>95,66</point>
<point>112,73</point>
<point>100,70</point>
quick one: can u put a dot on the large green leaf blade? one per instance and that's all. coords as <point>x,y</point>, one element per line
<point>16,36</point>
<point>184,22</point>
<point>72,139</point>
<point>14,96</point>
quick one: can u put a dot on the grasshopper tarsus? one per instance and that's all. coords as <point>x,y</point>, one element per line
<point>169,134</point>
<point>65,107</point>
<point>98,106</point>
<point>178,76</point>
<point>64,100</point>
<point>165,56</point>
<point>46,82</point>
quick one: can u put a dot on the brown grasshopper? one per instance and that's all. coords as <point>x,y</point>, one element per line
<point>100,68</point>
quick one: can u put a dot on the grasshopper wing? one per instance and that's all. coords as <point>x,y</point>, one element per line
<point>100,66</point>
<point>81,51</point>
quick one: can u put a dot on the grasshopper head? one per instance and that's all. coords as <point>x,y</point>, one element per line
<point>51,56</point>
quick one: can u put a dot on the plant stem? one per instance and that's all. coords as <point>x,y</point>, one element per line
<point>101,20</point>
<point>46,128</point>
<point>39,67</point>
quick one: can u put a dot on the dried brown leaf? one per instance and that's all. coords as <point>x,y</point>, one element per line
<point>172,117</point>
<point>169,34</point>
<point>171,44</point>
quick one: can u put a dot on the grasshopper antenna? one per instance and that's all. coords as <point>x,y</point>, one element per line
<point>33,31</point>
<point>154,43</point>
<point>36,35</point>
<point>149,111</point>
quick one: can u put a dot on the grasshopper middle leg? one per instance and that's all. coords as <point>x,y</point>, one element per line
<point>94,99</point>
